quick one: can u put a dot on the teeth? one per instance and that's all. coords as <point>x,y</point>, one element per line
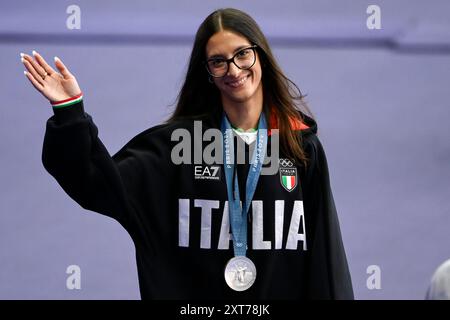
<point>238,83</point>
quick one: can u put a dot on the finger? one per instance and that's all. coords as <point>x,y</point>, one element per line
<point>33,71</point>
<point>33,81</point>
<point>37,68</point>
<point>43,63</point>
<point>62,68</point>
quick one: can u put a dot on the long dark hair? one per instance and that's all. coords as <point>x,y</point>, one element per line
<point>198,97</point>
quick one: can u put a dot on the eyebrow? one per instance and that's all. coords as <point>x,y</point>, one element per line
<point>236,50</point>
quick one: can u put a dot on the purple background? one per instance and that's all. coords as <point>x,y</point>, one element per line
<point>380,98</point>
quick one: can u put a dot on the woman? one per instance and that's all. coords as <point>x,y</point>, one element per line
<point>202,229</point>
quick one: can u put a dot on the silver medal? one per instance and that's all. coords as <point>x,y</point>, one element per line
<point>240,273</point>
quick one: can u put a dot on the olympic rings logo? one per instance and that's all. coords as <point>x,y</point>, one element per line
<point>286,163</point>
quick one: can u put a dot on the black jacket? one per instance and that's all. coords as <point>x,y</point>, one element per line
<point>179,223</point>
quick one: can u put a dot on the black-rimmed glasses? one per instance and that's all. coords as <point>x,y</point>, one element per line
<point>243,59</point>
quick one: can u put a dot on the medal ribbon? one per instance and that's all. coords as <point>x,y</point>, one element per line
<point>238,212</point>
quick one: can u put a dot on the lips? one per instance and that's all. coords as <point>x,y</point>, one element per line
<point>238,82</point>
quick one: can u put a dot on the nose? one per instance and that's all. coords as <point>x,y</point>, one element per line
<point>233,70</point>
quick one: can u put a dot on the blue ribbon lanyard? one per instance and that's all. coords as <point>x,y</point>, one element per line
<point>238,213</point>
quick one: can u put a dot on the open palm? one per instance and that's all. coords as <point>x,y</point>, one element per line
<point>53,85</point>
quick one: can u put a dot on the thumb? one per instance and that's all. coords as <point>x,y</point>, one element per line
<point>62,68</point>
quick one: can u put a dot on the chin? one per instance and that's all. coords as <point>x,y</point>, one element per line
<point>240,96</point>
<point>239,99</point>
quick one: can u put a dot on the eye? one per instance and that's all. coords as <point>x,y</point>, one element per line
<point>216,63</point>
<point>243,53</point>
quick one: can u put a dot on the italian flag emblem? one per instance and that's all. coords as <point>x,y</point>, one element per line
<point>288,175</point>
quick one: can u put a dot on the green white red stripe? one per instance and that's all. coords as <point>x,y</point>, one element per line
<point>67,102</point>
<point>288,182</point>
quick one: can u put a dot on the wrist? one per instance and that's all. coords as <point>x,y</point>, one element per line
<point>67,102</point>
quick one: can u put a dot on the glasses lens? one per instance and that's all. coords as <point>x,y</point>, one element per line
<point>245,58</point>
<point>217,67</point>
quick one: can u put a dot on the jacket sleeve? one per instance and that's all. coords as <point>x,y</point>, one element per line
<point>74,155</point>
<point>329,276</point>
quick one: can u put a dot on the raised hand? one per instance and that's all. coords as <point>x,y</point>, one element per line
<point>53,85</point>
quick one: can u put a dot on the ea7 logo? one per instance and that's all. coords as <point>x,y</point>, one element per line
<point>207,172</point>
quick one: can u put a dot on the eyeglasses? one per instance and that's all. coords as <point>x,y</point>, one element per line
<point>243,59</point>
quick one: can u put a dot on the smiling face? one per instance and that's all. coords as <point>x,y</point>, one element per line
<point>237,86</point>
